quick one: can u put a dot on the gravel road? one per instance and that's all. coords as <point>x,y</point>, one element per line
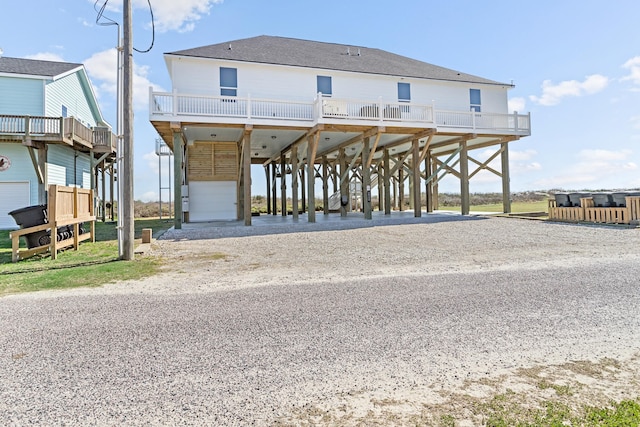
<point>329,327</point>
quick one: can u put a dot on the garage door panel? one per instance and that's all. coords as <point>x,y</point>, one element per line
<point>212,201</point>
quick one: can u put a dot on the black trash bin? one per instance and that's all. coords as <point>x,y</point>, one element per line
<point>30,217</point>
<point>619,199</point>
<point>562,200</point>
<point>574,198</point>
<point>603,200</point>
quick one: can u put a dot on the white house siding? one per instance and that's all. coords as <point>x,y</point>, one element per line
<point>68,167</point>
<point>202,76</point>
<point>21,96</point>
<point>68,91</point>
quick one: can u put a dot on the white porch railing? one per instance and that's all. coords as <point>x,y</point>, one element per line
<point>323,110</point>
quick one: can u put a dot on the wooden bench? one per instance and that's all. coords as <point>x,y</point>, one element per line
<point>68,206</point>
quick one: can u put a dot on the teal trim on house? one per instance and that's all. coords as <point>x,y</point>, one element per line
<point>21,96</point>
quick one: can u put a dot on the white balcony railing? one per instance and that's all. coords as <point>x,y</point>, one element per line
<point>172,106</point>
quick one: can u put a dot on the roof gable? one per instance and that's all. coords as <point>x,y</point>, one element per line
<point>329,56</point>
<point>36,67</point>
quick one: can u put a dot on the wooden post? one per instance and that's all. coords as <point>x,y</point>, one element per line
<point>103,199</point>
<point>111,185</point>
<point>303,191</point>
<point>366,179</point>
<point>506,187</point>
<point>401,188</point>
<point>283,184</point>
<point>344,183</point>
<point>127,176</point>
<point>267,171</point>
<point>415,164</point>
<point>428,184</point>
<point>311,177</point>
<point>274,190</point>
<point>387,183</point>
<point>294,181</point>
<point>177,180</point>
<point>464,179</point>
<point>325,186</point>
<point>246,174</point>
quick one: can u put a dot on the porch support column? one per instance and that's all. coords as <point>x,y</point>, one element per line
<point>387,183</point>
<point>294,181</point>
<point>103,198</point>
<point>312,147</point>
<point>325,186</point>
<point>506,185</point>
<point>434,184</point>
<point>415,164</point>
<point>267,172</point>
<point>366,179</point>
<point>274,190</point>
<point>464,179</point>
<point>177,180</point>
<point>401,186</point>
<point>283,184</point>
<point>428,184</point>
<point>303,197</point>
<point>111,181</point>
<point>344,182</point>
<point>246,175</point>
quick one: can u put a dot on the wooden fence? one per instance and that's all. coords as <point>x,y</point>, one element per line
<point>588,212</point>
<point>68,206</point>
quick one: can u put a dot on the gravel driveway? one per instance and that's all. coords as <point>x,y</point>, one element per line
<point>331,327</point>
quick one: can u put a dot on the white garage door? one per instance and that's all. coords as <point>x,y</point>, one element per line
<point>212,201</point>
<point>13,195</point>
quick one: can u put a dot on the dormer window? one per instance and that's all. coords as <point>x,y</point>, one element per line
<point>324,85</point>
<point>228,81</point>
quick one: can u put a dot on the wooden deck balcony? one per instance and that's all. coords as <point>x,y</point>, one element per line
<point>169,107</point>
<point>31,130</point>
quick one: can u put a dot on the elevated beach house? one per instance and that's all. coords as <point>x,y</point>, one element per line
<point>51,132</point>
<point>353,119</point>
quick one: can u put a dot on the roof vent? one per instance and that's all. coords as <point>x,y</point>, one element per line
<point>230,46</point>
<point>1,52</point>
<point>358,51</point>
<point>348,51</point>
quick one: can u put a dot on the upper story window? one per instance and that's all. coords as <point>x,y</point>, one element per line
<point>228,81</point>
<point>64,111</point>
<point>324,85</point>
<point>404,92</point>
<point>474,100</point>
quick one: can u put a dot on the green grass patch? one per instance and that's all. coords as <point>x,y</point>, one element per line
<point>516,207</point>
<point>93,264</point>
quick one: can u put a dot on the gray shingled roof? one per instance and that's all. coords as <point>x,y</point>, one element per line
<point>329,56</point>
<point>35,67</point>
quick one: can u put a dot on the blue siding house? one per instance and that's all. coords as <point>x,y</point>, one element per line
<point>51,132</point>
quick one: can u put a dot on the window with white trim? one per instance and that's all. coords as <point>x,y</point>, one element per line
<point>474,100</point>
<point>228,81</point>
<point>324,85</point>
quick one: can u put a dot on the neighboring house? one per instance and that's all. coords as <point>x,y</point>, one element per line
<point>51,132</point>
<point>337,113</point>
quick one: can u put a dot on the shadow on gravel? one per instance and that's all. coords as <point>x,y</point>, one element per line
<point>280,225</point>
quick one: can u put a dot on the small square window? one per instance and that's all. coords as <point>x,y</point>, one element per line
<point>64,111</point>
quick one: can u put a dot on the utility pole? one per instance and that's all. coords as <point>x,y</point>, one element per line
<point>126,178</point>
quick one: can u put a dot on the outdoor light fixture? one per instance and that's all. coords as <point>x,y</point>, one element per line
<point>327,138</point>
<point>213,135</point>
<point>273,137</point>
<point>264,147</point>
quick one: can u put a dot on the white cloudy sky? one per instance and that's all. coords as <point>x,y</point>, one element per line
<point>576,66</point>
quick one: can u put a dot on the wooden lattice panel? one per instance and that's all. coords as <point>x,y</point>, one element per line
<point>213,161</point>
